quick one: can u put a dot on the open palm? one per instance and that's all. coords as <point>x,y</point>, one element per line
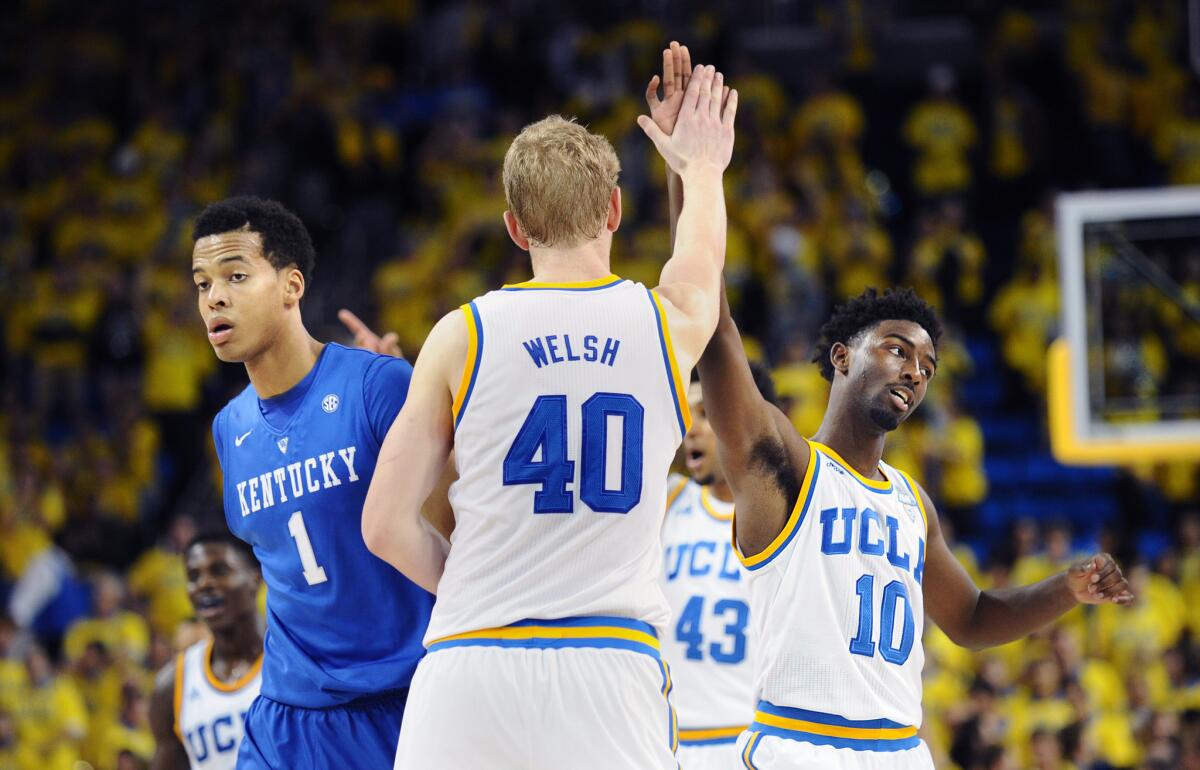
<point>677,71</point>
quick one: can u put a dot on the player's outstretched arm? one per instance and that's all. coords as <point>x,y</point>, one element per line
<point>169,753</point>
<point>676,74</point>
<point>764,457</point>
<point>412,460</point>
<point>698,150</point>
<point>978,619</point>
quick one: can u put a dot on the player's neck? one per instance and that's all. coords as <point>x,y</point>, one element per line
<point>721,491</point>
<point>241,643</point>
<point>857,441</point>
<point>285,363</point>
<point>586,262</point>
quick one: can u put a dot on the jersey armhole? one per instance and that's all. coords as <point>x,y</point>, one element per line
<point>792,526</point>
<point>177,700</point>
<point>674,381</point>
<point>912,487</point>
<point>471,364</point>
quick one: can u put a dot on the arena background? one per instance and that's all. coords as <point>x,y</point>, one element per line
<point>879,143</point>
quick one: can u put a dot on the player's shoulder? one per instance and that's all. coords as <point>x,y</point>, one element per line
<point>239,410</point>
<point>680,490</point>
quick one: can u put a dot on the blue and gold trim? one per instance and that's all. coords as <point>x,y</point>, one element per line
<point>912,487</point>
<point>674,381</point>
<point>471,366</point>
<point>874,485</point>
<point>672,717</point>
<point>706,504</point>
<point>674,494</point>
<point>748,751</point>
<point>593,285</point>
<point>710,736</point>
<point>600,632</point>
<point>792,526</point>
<point>832,730</point>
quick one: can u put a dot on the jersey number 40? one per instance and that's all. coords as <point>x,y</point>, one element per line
<point>538,454</point>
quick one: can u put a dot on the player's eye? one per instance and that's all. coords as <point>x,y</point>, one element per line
<point>201,285</point>
<point>237,277</point>
<point>897,350</point>
<point>926,373</point>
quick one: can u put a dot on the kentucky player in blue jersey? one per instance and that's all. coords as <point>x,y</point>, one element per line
<point>298,449</point>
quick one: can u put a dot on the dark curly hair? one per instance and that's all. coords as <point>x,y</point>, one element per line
<point>285,239</point>
<point>856,315</point>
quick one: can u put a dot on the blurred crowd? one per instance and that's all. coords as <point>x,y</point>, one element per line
<point>384,124</point>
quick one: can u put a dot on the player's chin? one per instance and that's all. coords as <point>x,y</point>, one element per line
<point>229,353</point>
<point>887,418</point>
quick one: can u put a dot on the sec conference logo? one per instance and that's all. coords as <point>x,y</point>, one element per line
<point>330,403</point>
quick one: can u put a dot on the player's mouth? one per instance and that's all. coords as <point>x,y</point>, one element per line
<point>208,606</point>
<point>693,460</point>
<point>219,331</point>
<point>902,397</point>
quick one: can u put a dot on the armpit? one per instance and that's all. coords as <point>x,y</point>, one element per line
<point>769,457</point>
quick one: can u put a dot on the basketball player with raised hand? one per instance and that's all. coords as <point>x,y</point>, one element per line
<point>298,449</point>
<point>201,698</point>
<point>845,552</point>
<point>563,400</point>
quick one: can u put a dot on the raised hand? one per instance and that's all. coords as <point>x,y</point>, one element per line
<point>703,133</point>
<point>677,71</point>
<point>388,344</point>
<point>1098,580</point>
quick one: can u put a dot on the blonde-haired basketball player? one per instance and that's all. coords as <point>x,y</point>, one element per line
<point>845,552</point>
<point>562,398</point>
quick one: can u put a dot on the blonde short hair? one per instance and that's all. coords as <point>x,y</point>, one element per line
<point>558,178</point>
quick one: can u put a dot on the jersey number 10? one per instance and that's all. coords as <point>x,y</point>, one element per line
<point>538,454</point>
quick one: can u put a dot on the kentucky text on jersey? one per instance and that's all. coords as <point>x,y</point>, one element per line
<point>312,474</point>
<point>701,558</point>
<point>558,348</point>
<point>873,532</point>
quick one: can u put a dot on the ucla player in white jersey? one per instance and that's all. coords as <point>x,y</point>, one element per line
<point>201,698</point>
<point>709,643</point>
<point>563,400</point>
<point>845,552</point>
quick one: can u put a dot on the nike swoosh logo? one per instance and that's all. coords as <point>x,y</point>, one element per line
<point>238,440</point>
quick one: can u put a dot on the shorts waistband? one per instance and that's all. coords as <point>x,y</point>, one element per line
<point>600,632</point>
<point>709,736</point>
<point>361,702</point>
<point>833,730</point>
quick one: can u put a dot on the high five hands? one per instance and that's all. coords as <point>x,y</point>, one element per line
<point>692,124</point>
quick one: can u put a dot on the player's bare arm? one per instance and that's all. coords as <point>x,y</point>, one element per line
<point>699,149</point>
<point>413,458</point>
<point>169,753</point>
<point>977,619</point>
<point>436,509</point>
<point>676,74</point>
<point>764,457</point>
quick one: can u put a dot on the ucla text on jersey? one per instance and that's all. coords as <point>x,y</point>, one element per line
<point>210,715</point>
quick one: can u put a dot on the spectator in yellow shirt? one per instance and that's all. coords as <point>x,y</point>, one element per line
<point>123,632</point>
<point>15,755</point>
<point>52,720</point>
<point>941,131</point>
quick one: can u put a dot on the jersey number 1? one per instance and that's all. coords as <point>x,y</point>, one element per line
<point>538,454</point>
<point>313,572</point>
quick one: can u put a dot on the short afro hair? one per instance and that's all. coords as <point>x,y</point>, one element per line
<point>856,315</point>
<point>224,537</point>
<point>285,239</point>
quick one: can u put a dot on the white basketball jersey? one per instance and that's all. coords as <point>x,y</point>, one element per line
<point>838,611</point>
<point>210,714</point>
<point>708,642</point>
<point>568,417</point>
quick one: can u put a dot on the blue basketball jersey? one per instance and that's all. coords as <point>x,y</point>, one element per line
<point>341,623</point>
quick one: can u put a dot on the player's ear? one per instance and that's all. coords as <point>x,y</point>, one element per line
<point>293,285</point>
<point>839,356</point>
<point>614,210</point>
<point>515,232</point>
